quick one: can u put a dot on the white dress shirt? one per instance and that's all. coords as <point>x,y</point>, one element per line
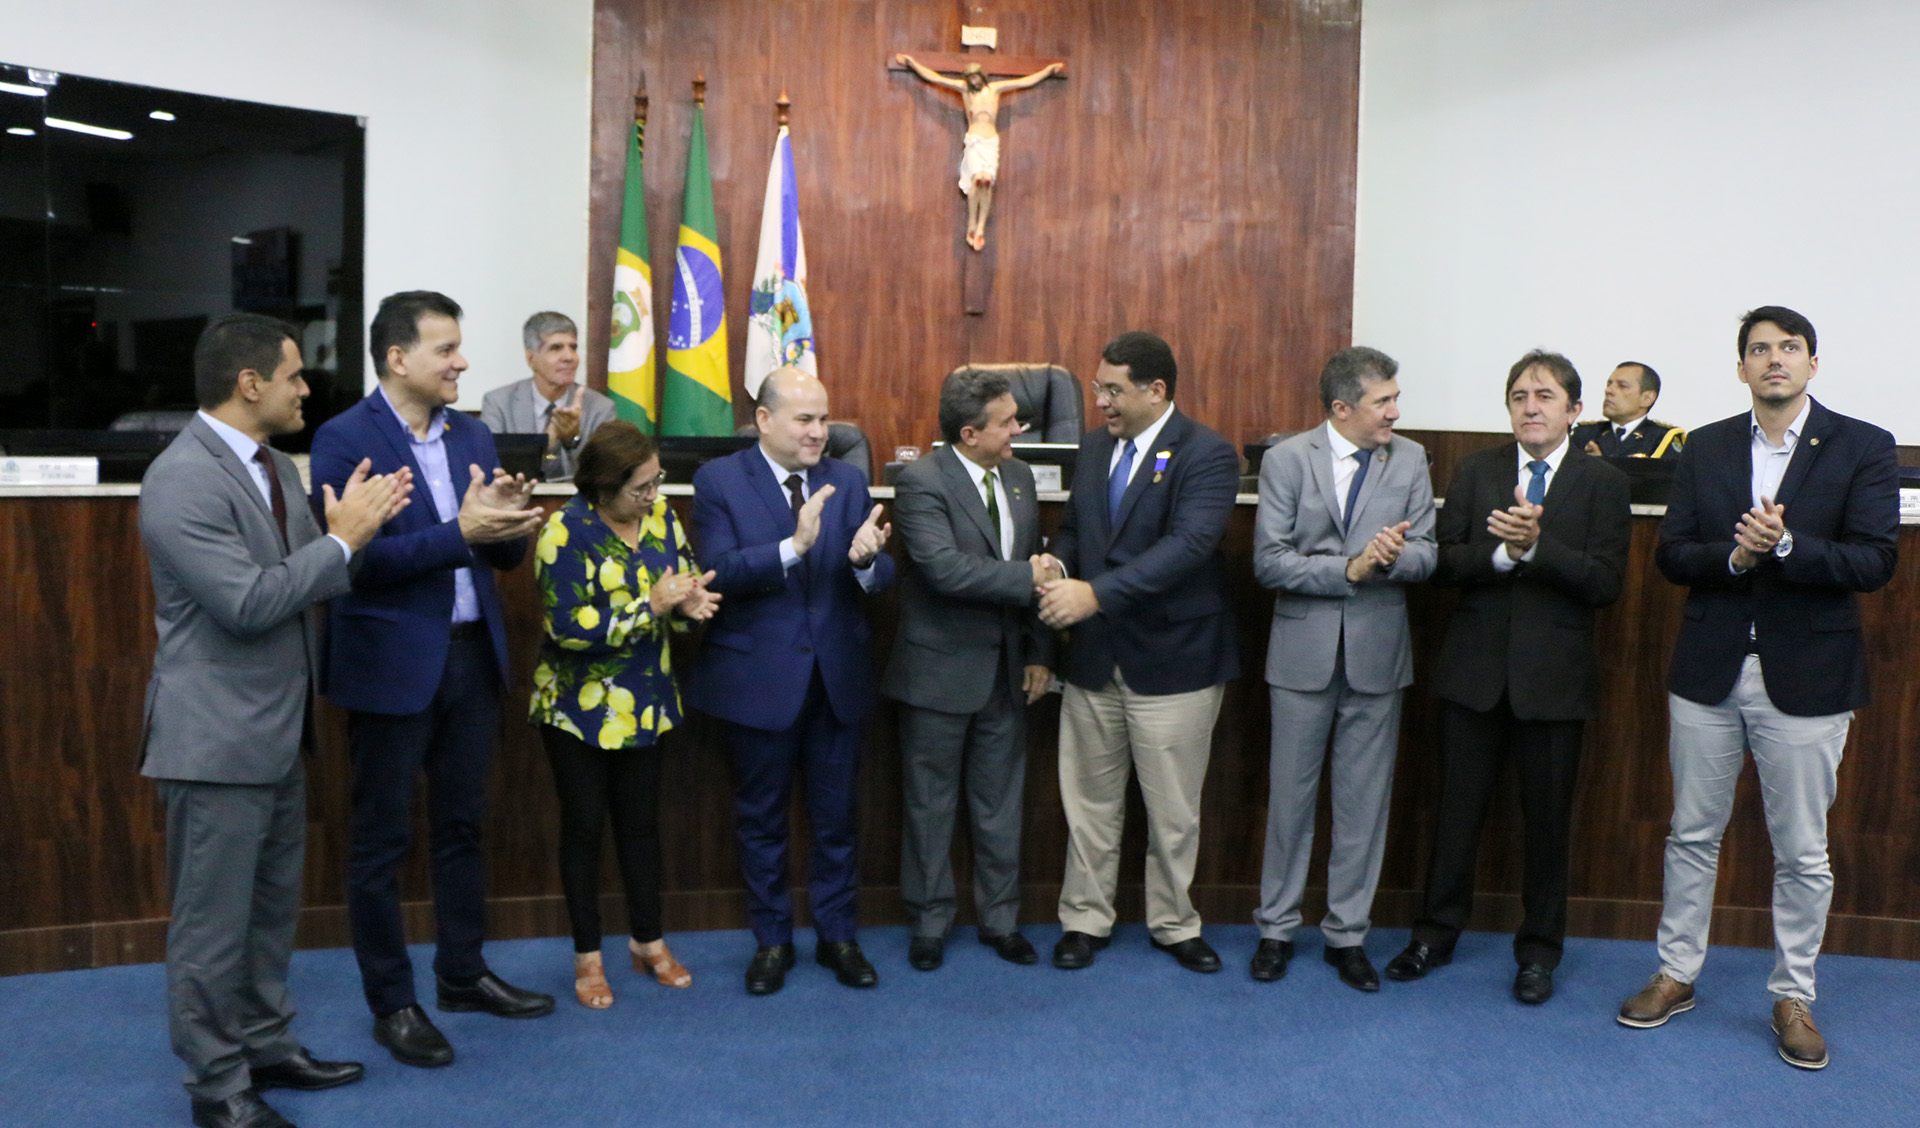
<point>1142,446</point>
<point>1344,467</point>
<point>1502,562</point>
<point>1770,462</point>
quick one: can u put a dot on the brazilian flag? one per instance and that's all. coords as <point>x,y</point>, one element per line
<point>630,360</point>
<point>697,398</point>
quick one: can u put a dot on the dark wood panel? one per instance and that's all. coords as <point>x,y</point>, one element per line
<point>1195,177</point>
<point>86,884</point>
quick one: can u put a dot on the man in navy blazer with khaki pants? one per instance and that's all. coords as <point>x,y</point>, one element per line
<point>1152,646</point>
<point>417,656</point>
<point>1778,516</point>
<point>794,543</point>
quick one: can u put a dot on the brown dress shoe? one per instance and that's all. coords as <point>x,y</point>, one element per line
<point>1661,999</point>
<point>1800,1041</point>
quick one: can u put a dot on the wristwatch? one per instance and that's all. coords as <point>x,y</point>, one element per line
<point>1784,545</point>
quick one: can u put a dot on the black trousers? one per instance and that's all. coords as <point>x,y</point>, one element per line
<point>593,784</point>
<point>451,742</point>
<point>1546,757</point>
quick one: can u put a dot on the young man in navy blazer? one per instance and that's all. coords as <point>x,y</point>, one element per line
<point>795,544</point>
<point>418,658</point>
<point>1152,646</point>
<point>1778,516</point>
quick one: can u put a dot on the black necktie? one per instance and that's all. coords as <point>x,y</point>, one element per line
<point>993,513</point>
<point>794,482</point>
<point>279,503</point>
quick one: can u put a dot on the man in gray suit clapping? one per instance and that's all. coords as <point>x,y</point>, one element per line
<point>237,559</point>
<point>970,657</point>
<point>1345,523</point>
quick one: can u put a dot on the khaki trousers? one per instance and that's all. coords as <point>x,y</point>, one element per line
<point>1167,739</point>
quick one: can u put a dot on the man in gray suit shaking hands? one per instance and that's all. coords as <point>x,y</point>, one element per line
<point>1345,522</point>
<point>970,657</point>
<point>237,559</point>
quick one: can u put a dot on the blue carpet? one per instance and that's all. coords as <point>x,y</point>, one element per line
<point>1134,1040</point>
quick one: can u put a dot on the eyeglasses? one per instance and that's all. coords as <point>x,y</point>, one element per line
<point>1111,391</point>
<point>648,488</point>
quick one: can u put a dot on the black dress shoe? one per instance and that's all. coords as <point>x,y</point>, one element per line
<point>1012,947</point>
<point>926,952</point>
<point>495,996</point>
<point>1194,954</point>
<point>1533,984</point>
<point>1356,970</point>
<point>768,971</point>
<point>1075,949</point>
<point>412,1038</point>
<point>1270,960</point>
<point>301,1070</point>
<point>844,959</point>
<point>244,1109</point>
<point>1415,961</point>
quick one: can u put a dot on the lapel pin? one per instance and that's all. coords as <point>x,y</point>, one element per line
<point>1815,440</point>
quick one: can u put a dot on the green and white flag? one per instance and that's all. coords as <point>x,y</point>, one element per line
<point>630,361</point>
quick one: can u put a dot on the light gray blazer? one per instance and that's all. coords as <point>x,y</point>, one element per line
<point>231,675</point>
<point>516,409</point>
<point>1300,551</point>
<point>961,606</point>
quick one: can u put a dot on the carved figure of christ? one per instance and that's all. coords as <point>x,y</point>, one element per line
<point>980,152</point>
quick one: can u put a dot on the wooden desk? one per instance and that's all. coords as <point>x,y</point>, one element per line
<point>84,879</point>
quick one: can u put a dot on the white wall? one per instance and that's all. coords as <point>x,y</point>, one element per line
<point>477,127</point>
<point>1622,179</point>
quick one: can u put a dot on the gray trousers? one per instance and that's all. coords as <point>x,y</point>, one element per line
<point>1798,760</point>
<point>234,856</point>
<point>988,751</point>
<point>1365,729</point>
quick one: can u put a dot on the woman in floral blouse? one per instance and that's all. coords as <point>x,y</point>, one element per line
<point>615,576</point>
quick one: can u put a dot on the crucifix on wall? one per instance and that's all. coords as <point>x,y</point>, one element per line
<point>980,93</point>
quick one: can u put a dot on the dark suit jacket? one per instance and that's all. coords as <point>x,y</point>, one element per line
<point>965,613</point>
<point>1164,617</point>
<point>387,639</point>
<point>776,623</point>
<point>1528,633</point>
<point>1645,440</point>
<point>1842,498</point>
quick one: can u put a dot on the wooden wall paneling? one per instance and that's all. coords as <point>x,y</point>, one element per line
<point>87,884</point>
<point>1193,174</point>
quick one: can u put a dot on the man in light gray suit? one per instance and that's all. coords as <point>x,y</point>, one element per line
<point>550,400</point>
<point>970,657</point>
<point>237,559</point>
<point>1345,523</point>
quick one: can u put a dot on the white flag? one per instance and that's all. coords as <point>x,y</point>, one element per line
<point>779,325</point>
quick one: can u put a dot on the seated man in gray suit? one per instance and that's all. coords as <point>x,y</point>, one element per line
<point>1345,523</point>
<point>237,559</point>
<point>970,657</point>
<point>551,399</point>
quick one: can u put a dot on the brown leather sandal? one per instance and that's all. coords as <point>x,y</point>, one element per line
<point>590,981</point>
<point>666,970</point>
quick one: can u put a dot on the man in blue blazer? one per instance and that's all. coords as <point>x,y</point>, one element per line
<point>417,655</point>
<point>1778,516</point>
<point>794,542</point>
<point>1152,646</point>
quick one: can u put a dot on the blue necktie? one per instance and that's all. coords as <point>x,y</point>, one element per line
<point>1117,484</point>
<point>1365,459</point>
<point>1537,485</point>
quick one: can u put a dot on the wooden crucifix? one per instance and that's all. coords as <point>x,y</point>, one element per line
<point>980,147</point>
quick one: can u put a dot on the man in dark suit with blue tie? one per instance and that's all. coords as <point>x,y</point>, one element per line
<point>795,545</point>
<point>417,656</point>
<point>1778,516</point>
<point>1152,646</point>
